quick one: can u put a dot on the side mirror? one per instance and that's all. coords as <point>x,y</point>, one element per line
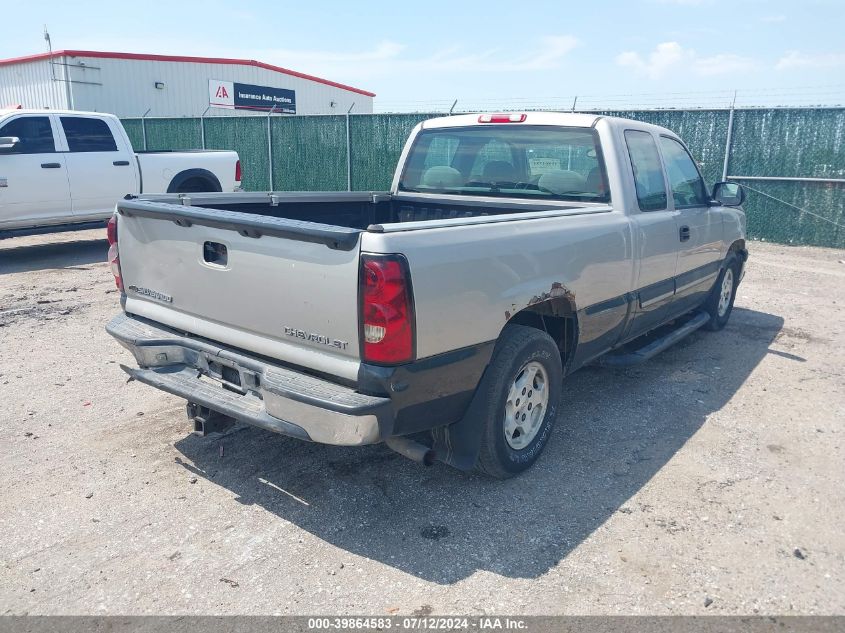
<point>728,194</point>
<point>9,142</point>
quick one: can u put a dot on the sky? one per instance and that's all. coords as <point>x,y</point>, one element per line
<point>487,55</point>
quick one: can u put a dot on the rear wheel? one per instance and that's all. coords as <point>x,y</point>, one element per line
<point>720,303</point>
<point>522,399</point>
<point>195,185</point>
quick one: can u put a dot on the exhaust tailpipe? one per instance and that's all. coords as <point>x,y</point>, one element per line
<point>412,450</point>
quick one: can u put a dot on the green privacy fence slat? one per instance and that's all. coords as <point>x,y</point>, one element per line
<point>773,221</point>
<point>173,134</point>
<point>377,142</point>
<point>248,137</point>
<point>773,142</point>
<point>703,131</point>
<point>133,131</point>
<point>309,154</point>
<point>801,143</point>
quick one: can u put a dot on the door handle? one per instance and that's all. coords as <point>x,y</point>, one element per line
<point>120,163</point>
<point>684,233</point>
<point>51,165</point>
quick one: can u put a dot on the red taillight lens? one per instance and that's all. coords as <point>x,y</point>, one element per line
<point>238,171</point>
<point>387,314</point>
<point>113,256</point>
<point>111,230</point>
<point>502,118</point>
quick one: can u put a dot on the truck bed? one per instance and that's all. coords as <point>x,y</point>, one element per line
<point>277,273</point>
<point>356,210</point>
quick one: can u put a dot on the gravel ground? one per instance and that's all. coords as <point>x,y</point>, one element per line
<point>709,480</point>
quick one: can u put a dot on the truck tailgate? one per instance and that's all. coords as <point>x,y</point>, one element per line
<point>280,288</point>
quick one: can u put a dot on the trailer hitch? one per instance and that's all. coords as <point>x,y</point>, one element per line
<point>207,421</point>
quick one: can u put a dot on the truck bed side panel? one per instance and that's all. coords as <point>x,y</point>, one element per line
<point>470,280</point>
<point>159,168</point>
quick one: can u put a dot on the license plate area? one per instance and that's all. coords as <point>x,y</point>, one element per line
<point>229,374</point>
<point>224,373</point>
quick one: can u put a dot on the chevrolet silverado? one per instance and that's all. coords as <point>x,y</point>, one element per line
<point>511,250</point>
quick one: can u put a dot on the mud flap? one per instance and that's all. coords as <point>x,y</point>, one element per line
<point>458,444</point>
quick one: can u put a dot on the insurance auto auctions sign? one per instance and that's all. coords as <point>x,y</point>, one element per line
<point>235,96</point>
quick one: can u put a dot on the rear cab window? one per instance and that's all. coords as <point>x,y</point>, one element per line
<point>533,162</point>
<point>88,135</point>
<point>35,134</point>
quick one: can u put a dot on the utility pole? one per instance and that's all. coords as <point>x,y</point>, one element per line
<point>349,150</point>
<point>728,139</point>
<point>50,50</point>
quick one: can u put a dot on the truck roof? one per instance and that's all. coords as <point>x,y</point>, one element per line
<point>565,119</point>
<point>14,110</point>
<point>533,118</point>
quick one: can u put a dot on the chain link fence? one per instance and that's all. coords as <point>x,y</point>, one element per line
<point>791,160</point>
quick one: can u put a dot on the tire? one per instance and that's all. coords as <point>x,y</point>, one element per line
<point>525,367</point>
<point>194,181</point>
<point>720,303</point>
<point>195,185</point>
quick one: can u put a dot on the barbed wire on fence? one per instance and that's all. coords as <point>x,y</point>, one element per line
<point>794,96</point>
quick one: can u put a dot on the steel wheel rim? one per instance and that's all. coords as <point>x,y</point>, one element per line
<point>525,407</point>
<point>727,291</point>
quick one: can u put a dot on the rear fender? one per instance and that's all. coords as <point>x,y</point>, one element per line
<point>184,176</point>
<point>554,312</point>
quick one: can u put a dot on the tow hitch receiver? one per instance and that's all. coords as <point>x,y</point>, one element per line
<point>207,421</point>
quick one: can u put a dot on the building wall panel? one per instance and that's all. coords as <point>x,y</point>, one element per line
<point>31,85</point>
<point>126,87</point>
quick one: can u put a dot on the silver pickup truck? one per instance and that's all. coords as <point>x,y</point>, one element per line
<point>511,250</point>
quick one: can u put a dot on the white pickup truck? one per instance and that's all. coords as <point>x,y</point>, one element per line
<point>511,250</point>
<point>68,169</point>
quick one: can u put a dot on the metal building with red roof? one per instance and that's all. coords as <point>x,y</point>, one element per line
<point>132,84</point>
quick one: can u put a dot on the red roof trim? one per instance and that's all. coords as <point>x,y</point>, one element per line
<point>181,58</point>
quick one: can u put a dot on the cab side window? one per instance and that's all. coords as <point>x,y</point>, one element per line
<point>88,135</point>
<point>35,133</point>
<point>648,171</point>
<point>688,188</point>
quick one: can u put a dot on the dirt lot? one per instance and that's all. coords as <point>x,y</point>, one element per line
<point>709,480</point>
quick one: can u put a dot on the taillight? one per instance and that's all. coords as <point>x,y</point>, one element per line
<point>114,256</point>
<point>502,118</point>
<point>238,171</point>
<point>387,313</point>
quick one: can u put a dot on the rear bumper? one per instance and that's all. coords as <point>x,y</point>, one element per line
<point>250,390</point>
